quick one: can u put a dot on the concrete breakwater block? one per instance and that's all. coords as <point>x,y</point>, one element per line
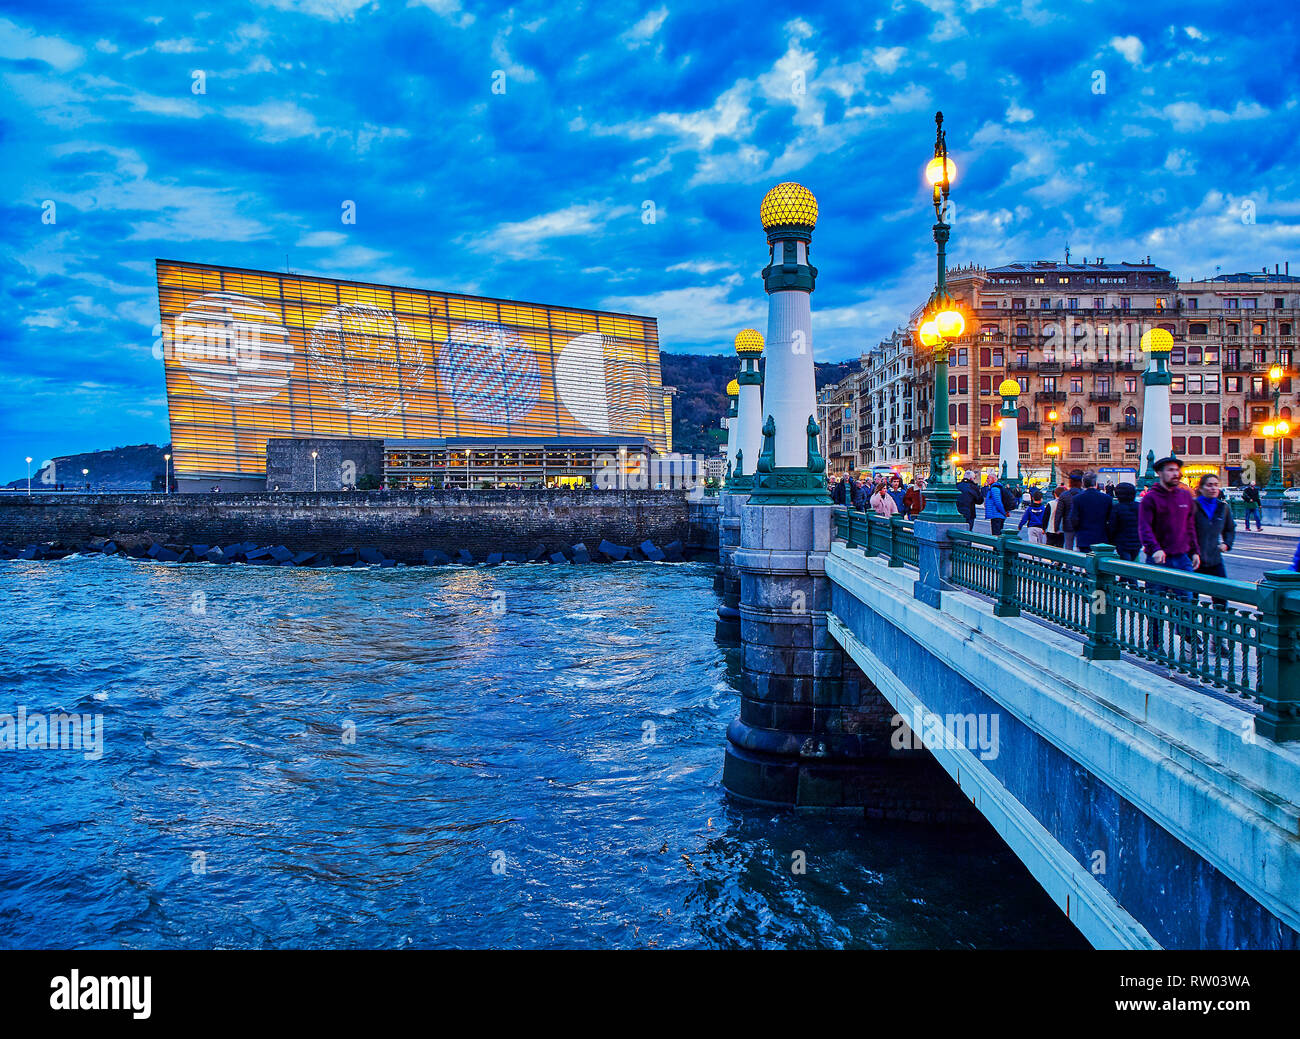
<point>674,551</point>
<point>495,558</point>
<point>614,553</point>
<point>215,555</point>
<point>580,554</point>
<point>652,552</point>
<point>537,553</point>
<point>559,557</point>
<point>465,557</point>
<point>436,557</point>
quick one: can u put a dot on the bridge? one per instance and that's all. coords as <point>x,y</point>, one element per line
<point>1132,732</point>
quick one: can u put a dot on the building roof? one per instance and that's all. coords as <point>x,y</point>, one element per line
<point>1035,266</point>
<point>1260,276</point>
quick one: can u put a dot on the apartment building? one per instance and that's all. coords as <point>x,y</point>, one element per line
<point>1070,334</point>
<point>866,419</point>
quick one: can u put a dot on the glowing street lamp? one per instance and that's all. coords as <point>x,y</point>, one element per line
<point>167,473</point>
<point>29,476</point>
<point>1278,429</point>
<point>942,320</point>
<point>314,486</point>
<point>85,473</point>
<point>1053,448</point>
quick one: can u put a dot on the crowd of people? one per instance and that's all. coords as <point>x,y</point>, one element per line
<point>1169,524</point>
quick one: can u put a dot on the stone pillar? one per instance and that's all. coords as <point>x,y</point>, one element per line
<point>727,581</point>
<point>1157,425</point>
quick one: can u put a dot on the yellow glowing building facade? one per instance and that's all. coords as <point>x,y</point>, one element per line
<point>250,355</point>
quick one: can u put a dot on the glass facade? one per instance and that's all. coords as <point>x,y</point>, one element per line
<point>250,355</point>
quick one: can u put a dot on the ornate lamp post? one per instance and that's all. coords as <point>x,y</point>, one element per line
<point>1053,448</point>
<point>85,473</point>
<point>1278,429</point>
<point>29,476</point>
<point>942,320</point>
<point>314,485</point>
<point>167,473</point>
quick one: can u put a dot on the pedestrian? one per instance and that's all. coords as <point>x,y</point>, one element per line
<point>1122,527</point>
<point>860,495</point>
<point>1056,536</point>
<point>1110,490</point>
<point>1090,511</point>
<point>1066,505</point>
<point>1034,520</point>
<point>882,502</point>
<point>968,496</point>
<point>1295,562</point>
<point>1215,533</point>
<point>1167,529</point>
<point>837,491</point>
<point>897,493</point>
<point>1250,495</point>
<point>914,499</point>
<point>995,506</point>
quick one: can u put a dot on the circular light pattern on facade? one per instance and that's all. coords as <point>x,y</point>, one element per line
<point>489,372</point>
<point>233,347</point>
<point>1157,341</point>
<point>749,341</point>
<point>365,358</point>
<point>1009,388</point>
<point>788,205</point>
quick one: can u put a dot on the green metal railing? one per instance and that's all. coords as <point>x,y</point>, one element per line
<point>1238,637</point>
<point>891,537</point>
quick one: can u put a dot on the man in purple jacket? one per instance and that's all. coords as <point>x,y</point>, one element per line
<point>1167,529</point>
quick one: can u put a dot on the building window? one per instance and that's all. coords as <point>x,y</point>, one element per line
<point>963,358</point>
<point>1130,446</point>
<point>1130,384</point>
<point>1194,446</point>
<point>1180,445</point>
<point>1198,328</point>
<point>1076,384</point>
<point>1192,303</point>
<point>986,445</point>
<point>1103,446</point>
<point>1098,302</point>
<point>1211,445</point>
<point>1178,414</point>
<point>1211,414</point>
<point>1194,414</point>
<point>1124,302</point>
<point>1103,414</point>
<point>1178,384</point>
<point>986,414</point>
<point>1130,416</point>
<point>1076,445</point>
<point>1177,355</point>
<point>1076,416</point>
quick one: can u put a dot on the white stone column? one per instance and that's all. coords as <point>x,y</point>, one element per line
<point>1157,426</point>
<point>1009,454</point>
<point>749,438</point>
<point>733,426</point>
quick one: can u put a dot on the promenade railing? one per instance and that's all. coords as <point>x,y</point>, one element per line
<point>1239,637</point>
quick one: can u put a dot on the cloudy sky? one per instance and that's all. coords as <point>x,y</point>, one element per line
<point>522,151</point>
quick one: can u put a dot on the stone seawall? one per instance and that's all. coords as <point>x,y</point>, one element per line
<point>402,524</point>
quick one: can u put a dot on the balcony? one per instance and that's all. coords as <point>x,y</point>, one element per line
<point>1078,427</point>
<point>1233,425</point>
<point>1259,395</point>
<point>1028,427</point>
<point>1135,425</point>
<point>1049,368</point>
<point>1049,397</point>
<point>1104,398</point>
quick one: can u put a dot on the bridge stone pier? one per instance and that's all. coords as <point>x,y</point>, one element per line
<point>726,581</point>
<point>1155,812</point>
<point>813,731</point>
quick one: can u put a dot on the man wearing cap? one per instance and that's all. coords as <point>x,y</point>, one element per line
<point>1167,530</point>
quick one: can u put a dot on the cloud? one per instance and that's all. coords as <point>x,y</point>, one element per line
<point>17,42</point>
<point>1130,47</point>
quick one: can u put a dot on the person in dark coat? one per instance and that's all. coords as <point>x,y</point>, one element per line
<point>1250,495</point>
<point>1215,529</point>
<point>1090,512</point>
<point>1122,527</point>
<point>968,496</point>
<point>860,495</point>
<point>1064,508</point>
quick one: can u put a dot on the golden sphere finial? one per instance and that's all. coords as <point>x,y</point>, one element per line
<point>788,205</point>
<point>1157,341</point>
<point>749,341</point>
<point>733,388</point>
<point>1009,388</point>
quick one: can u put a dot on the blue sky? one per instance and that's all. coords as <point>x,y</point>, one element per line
<point>538,192</point>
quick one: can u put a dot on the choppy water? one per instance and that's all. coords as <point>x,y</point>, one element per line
<point>537,762</point>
